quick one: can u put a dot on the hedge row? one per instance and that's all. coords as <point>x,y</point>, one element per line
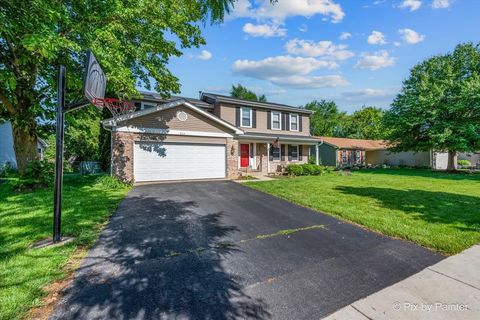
<point>307,169</point>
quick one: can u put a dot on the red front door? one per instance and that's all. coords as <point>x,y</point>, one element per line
<point>244,155</point>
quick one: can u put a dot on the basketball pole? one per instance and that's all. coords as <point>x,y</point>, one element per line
<point>57,204</point>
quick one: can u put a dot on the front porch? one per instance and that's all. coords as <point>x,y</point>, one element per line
<point>259,156</point>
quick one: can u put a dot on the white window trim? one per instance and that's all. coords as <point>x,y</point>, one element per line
<point>279,120</point>
<point>298,116</point>
<point>241,117</point>
<point>279,154</point>
<point>298,150</point>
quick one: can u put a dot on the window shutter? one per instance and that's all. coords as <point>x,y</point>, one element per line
<point>282,121</point>
<point>254,118</point>
<point>138,106</point>
<point>271,153</point>
<point>287,121</point>
<point>300,153</point>
<point>269,119</point>
<point>237,116</point>
<point>282,151</point>
<point>300,122</point>
<point>289,153</point>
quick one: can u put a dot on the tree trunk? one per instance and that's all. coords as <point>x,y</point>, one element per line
<point>451,160</point>
<point>25,145</point>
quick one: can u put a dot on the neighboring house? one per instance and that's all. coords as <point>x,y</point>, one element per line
<point>345,152</point>
<point>7,152</point>
<point>212,137</point>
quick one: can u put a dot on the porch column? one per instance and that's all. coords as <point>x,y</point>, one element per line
<point>317,160</point>
<point>268,158</point>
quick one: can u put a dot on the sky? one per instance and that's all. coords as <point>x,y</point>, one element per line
<point>354,52</point>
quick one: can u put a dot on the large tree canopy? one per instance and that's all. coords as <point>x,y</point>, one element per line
<point>133,40</point>
<point>241,92</point>
<point>439,105</point>
<point>365,123</point>
<point>326,119</point>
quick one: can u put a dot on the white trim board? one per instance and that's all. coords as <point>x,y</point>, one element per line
<point>113,121</point>
<point>171,132</point>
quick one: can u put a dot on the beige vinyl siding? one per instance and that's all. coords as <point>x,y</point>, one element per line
<point>227,113</point>
<point>167,119</point>
<point>180,138</point>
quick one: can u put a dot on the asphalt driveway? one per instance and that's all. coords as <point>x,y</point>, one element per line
<point>219,250</point>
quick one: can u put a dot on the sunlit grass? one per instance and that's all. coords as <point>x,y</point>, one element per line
<point>27,217</point>
<point>437,210</point>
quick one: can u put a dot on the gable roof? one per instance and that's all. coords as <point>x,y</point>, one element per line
<point>205,96</point>
<point>157,98</point>
<point>111,122</point>
<point>347,143</point>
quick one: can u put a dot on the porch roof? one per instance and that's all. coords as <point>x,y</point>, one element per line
<point>270,138</point>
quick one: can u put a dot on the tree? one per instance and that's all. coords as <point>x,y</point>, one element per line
<point>131,39</point>
<point>438,107</point>
<point>242,92</point>
<point>365,123</point>
<point>326,119</point>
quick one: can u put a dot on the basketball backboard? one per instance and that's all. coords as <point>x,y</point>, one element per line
<point>95,80</point>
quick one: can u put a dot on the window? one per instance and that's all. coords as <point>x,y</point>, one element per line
<point>246,117</point>
<point>146,106</point>
<point>293,152</point>
<point>275,152</point>
<point>294,122</point>
<point>275,120</point>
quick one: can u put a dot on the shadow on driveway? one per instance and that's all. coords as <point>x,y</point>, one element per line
<point>166,264</point>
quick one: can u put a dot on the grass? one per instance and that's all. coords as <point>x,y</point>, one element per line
<point>437,210</point>
<point>27,217</point>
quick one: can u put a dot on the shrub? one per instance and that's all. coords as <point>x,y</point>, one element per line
<point>309,169</point>
<point>37,174</point>
<point>295,170</point>
<point>465,163</point>
<point>7,170</point>
<point>111,182</point>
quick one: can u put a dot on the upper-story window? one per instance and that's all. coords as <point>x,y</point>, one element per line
<point>246,117</point>
<point>293,122</point>
<point>276,116</point>
<point>145,105</point>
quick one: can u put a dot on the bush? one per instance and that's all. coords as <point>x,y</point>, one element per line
<point>295,170</point>
<point>111,182</point>
<point>308,169</point>
<point>7,170</point>
<point>464,163</point>
<point>37,174</point>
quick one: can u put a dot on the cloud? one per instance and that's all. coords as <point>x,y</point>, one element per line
<point>411,36</point>
<point>264,30</point>
<point>367,93</point>
<point>441,4</point>
<point>411,4</point>
<point>376,37</point>
<point>204,55</point>
<point>325,49</point>
<point>303,28</point>
<point>345,36</point>
<point>310,82</point>
<point>278,12</point>
<point>289,71</point>
<point>375,61</point>
<point>279,66</point>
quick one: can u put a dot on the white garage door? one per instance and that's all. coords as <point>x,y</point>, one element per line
<point>155,161</point>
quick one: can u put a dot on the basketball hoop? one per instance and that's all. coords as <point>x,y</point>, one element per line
<point>116,106</point>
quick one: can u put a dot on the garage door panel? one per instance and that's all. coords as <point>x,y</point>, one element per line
<point>164,161</point>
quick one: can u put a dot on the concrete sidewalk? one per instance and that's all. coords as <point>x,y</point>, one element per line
<point>449,289</point>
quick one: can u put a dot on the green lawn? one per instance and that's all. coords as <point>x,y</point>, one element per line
<point>27,217</point>
<point>437,210</point>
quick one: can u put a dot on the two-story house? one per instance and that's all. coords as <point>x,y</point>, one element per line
<point>214,137</point>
